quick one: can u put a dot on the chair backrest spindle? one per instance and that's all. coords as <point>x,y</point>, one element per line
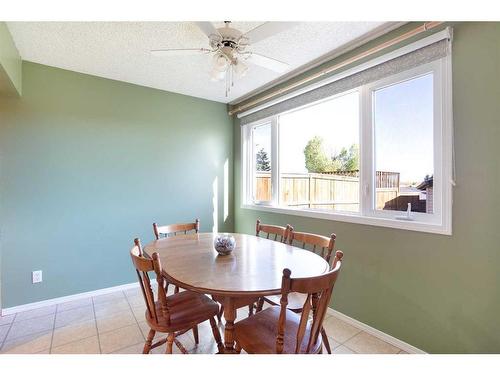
<point>285,286</point>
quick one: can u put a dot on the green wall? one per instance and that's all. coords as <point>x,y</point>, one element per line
<point>10,64</point>
<point>87,164</point>
<point>438,293</point>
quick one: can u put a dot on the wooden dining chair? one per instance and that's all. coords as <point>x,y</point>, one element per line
<point>273,232</point>
<point>270,232</point>
<point>173,229</point>
<point>278,330</point>
<point>170,230</point>
<point>323,246</point>
<point>175,314</point>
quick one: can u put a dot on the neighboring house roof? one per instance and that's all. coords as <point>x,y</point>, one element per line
<point>428,182</point>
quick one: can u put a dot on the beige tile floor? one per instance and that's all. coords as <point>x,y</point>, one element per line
<point>114,323</point>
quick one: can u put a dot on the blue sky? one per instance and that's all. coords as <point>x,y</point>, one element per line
<point>404,128</point>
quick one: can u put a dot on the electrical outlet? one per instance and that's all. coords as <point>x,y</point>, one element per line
<point>36,277</point>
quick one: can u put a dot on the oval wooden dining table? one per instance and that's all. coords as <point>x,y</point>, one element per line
<point>254,269</point>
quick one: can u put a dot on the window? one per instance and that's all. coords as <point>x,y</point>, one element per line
<point>404,145</point>
<point>319,155</point>
<point>379,154</point>
<point>261,163</point>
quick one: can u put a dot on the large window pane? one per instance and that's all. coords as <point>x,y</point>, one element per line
<point>319,155</point>
<point>261,151</point>
<point>404,156</point>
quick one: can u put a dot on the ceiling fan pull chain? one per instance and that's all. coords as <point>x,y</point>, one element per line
<point>230,76</point>
<point>227,85</point>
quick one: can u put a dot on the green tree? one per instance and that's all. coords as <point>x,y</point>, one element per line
<point>347,159</point>
<point>316,159</point>
<point>262,161</point>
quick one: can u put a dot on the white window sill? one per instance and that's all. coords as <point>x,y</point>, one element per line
<point>415,225</point>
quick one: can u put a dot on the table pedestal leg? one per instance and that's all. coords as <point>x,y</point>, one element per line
<point>229,317</point>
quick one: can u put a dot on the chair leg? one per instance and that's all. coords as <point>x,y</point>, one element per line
<point>260,304</point>
<point>324,336</point>
<point>195,334</point>
<point>170,342</point>
<point>250,309</point>
<point>180,346</point>
<point>220,313</point>
<point>216,333</point>
<point>149,342</point>
<point>237,348</point>
<point>176,289</point>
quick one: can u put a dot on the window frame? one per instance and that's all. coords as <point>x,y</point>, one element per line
<point>439,222</point>
<point>251,162</point>
<point>276,181</point>
<point>370,167</point>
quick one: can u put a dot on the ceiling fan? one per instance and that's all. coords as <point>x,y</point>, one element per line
<point>229,48</point>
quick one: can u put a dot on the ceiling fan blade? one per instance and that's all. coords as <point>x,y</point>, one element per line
<point>208,28</point>
<point>267,29</point>
<point>180,51</point>
<point>268,62</point>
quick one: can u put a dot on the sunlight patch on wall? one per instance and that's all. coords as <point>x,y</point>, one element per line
<point>215,203</point>
<point>226,189</point>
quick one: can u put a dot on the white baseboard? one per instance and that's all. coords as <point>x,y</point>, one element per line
<point>375,332</point>
<point>73,297</point>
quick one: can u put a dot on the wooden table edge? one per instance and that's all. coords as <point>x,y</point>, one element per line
<point>218,292</point>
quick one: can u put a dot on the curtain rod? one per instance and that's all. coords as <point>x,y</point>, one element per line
<point>409,34</point>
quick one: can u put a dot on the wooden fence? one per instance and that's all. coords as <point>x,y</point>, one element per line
<point>326,191</point>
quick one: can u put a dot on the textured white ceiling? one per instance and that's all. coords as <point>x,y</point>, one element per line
<point>120,51</point>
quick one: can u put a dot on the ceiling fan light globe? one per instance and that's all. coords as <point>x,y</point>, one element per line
<point>220,63</point>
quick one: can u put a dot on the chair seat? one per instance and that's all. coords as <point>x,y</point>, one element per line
<point>186,310</point>
<point>257,333</point>
<point>295,301</point>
